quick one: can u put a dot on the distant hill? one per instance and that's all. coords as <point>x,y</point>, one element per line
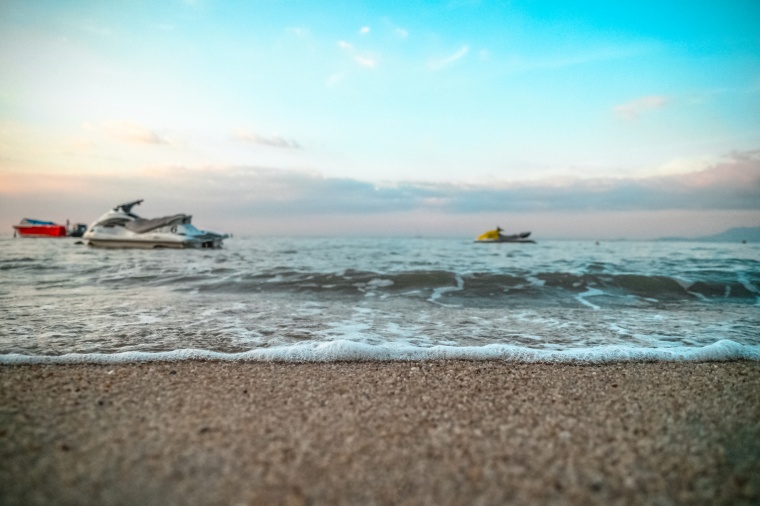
<point>739,234</point>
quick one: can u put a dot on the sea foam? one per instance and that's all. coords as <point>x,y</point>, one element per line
<point>342,350</point>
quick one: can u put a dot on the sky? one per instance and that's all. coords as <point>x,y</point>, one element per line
<point>584,119</point>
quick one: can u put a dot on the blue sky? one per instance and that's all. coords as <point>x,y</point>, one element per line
<point>583,119</point>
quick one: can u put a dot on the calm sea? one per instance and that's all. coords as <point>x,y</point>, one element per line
<point>326,299</point>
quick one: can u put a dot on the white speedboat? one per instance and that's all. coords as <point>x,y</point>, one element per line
<point>121,228</point>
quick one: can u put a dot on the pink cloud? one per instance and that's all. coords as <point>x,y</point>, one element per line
<point>740,171</point>
<point>275,141</point>
<point>635,108</point>
<point>128,131</point>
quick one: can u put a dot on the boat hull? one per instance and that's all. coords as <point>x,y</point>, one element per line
<point>40,230</point>
<point>152,244</point>
<point>505,241</point>
<point>495,236</point>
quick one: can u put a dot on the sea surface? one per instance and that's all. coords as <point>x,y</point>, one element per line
<point>326,299</point>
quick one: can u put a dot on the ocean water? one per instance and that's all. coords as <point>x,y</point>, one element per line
<point>325,299</point>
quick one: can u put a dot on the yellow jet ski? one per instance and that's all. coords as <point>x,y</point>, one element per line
<point>496,236</point>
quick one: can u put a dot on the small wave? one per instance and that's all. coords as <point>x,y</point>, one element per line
<point>342,350</point>
<point>25,263</point>
<point>440,286</point>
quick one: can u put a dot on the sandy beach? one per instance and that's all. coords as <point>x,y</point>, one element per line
<point>439,432</point>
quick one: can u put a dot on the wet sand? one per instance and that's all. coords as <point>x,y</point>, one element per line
<point>440,432</point>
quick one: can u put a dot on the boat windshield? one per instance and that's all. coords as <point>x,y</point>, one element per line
<point>127,208</point>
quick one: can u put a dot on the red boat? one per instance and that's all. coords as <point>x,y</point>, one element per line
<point>37,228</point>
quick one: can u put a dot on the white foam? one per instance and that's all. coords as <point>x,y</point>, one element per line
<point>380,283</point>
<point>438,292</point>
<point>590,292</point>
<point>744,280</point>
<point>146,319</point>
<point>342,350</point>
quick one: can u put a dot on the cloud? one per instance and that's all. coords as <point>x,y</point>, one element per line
<point>731,184</point>
<point>251,198</point>
<point>635,108</point>
<point>364,30</point>
<point>739,174</point>
<point>363,60</point>
<point>131,132</point>
<point>346,46</point>
<point>335,79</point>
<point>298,31</point>
<point>396,31</point>
<point>447,61</point>
<point>276,141</point>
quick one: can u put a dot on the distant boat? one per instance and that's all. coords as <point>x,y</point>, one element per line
<point>76,230</point>
<point>494,236</point>
<point>39,228</point>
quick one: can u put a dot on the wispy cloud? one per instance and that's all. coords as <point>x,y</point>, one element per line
<point>362,59</point>
<point>396,31</point>
<point>335,79</point>
<point>635,108</point>
<point>298,31</point>
<point>365,61</point>
<point>276,141</point>
<point>447,61</point>
<point>132,132</point>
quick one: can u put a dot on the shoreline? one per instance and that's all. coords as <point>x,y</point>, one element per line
<point>723,350</point>
<point>417,432</point>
